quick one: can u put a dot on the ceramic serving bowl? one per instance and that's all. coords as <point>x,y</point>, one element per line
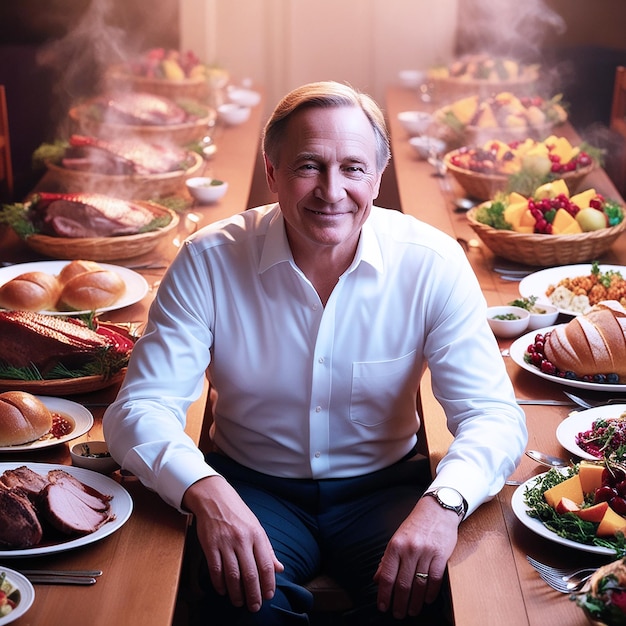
<point>232,114</point>
<point>206,190</point>
<point>542,316</point>
<point>243,97</point>
<point>508,321</point>
<point>411,79</point>
<point>426,146</point>
<point>415,122</point>
<point>93,455</point>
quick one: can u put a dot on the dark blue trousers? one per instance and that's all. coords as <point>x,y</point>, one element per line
<point>339,526</point>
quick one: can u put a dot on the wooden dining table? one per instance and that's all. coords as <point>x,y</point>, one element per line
<point>142,560</point>
<point>491,582</point>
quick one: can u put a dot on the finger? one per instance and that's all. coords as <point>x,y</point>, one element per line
<point>216,572</point>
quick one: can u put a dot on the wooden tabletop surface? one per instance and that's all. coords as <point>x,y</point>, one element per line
<point>141,562</point>
<point>491,582</point>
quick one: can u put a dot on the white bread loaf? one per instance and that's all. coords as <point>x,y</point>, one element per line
<point>31,291</point>
<point>91,290</point>
<point>594,343</point>
<point>73,268</point>
<point>23,418</point>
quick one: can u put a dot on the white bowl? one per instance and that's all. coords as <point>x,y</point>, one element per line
<point>243,97</point>
<point>411,79</point>
<point>415,122</point>
<point>93,455</point>
<point>206,190</point>
<point>426,146</point>
<point>507,328</point>
<point>232,114</point>
<point>542,320</point>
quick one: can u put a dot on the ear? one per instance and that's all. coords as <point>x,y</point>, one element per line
<point>270,174</point>
<point>376,190</point>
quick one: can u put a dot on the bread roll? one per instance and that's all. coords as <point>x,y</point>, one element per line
<point>594,343</point>
<point>23,418</point>
<point>91,290</point>
<point>31,291</point>
<point>74,268</point>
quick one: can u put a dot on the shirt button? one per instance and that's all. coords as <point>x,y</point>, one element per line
<point>318,409</point>
<point>320,360</point>
<point>318,455</point>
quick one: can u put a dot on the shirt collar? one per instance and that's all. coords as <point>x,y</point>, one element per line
<point>276,247</point>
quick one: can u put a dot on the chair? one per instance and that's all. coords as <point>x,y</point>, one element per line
<point>6,168</point>
<point>617,124</point>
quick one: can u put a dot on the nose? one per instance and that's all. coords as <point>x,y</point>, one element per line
<point>330,187</point>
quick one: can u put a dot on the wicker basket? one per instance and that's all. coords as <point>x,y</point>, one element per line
<point>179,134</point>
<point>486,186</point>
<point>450,89</point>
<point>546,250</point>
<point>105,248</point>
<point>194,88</point>
<point>130,187</point>
<point>62,386</point>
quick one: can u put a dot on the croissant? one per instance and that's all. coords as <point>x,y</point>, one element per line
<point>594,343</point>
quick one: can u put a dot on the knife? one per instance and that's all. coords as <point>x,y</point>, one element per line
<point>54,579</point>
<point>546,402</point>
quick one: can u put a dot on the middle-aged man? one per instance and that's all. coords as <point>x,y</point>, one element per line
<point>315,318</point>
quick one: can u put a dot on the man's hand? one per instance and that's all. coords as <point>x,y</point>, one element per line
<point>240,557</point>
<point>422,545</point>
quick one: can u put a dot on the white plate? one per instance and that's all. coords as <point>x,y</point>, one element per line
<point>82,418</point>
<point>121,508</point>
<point>27,595</point>
<point>537,283</point>
<point>518,348</point>
<point>521,512</point>
<point>581,421</point>
<point>136,285</point>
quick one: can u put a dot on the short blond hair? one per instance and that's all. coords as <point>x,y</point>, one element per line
<point>325,94</point>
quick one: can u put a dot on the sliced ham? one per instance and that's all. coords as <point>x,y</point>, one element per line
<point>24,479</point>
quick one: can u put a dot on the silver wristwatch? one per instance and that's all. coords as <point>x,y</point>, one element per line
<point>449,498</point>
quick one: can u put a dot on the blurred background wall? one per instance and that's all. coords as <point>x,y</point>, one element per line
<point>52,51</point>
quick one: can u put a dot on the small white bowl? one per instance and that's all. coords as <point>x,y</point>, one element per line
<point>206,190</point>
<point>93,455</point>
<point>232,114</point>
<point>506,328</point>
<point>411,79</point>
<point>426,146</point>
<point>542,320</point>
<point>243,97</point>
<point>415,122</point>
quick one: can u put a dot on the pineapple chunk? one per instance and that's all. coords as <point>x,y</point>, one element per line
<point>582,199</point>
<point>564,223</point>
<point>486,117</point>
<point>552,190</point>
<point>513,213</point>
<point>465,109</point>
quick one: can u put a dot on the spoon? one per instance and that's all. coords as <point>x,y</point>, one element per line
<point>546,459</point>
<point>463,204</point>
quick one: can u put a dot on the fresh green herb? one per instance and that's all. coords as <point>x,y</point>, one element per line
<point>525,303</point>
<point>506,316</point>
<point>604,278</point>
<point>492,214</point>
<point>16,216</point>
<point>613,212</point>
<point>52,152</point>
<point>178,204</point>
<point>566,525</point>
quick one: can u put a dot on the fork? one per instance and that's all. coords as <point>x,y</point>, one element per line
<point>590,403</point>
<point>562,580</point>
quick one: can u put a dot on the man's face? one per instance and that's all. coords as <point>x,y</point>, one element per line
<point>326,177</point>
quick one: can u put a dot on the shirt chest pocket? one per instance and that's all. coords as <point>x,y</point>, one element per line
<point>382,390</point>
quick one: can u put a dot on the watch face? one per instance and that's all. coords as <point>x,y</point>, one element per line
<point>449,496</point>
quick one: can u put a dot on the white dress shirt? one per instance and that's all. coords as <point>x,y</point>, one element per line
<point>313,391</point>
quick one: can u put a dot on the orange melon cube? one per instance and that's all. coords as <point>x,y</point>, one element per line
<point>569,488</point>
<point>611,524</point>
<point>590,476</point>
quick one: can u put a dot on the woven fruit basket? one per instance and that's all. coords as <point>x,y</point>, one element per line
<point>129,187</point>
<point>105,248</point>
<point>194,88</point>
<point>485,186</point>
<point>449,89</point>
<point>179,134</point>
<point>545,250</point>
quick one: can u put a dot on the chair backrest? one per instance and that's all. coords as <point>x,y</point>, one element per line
<point>618,107</point>
<point>6,167</point>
